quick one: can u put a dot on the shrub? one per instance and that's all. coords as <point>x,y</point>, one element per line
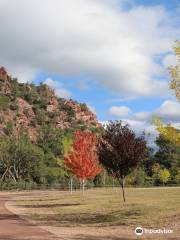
<point>83,107</point>
<point>14,106</point>
<point>4,102</point>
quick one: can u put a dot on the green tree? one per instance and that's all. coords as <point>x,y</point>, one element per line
<point>155,170</point>
<point>20,159</point>
<point>177,177</point>
<point>168,154</point>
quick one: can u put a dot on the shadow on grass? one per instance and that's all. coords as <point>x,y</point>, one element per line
<point>74,219</point>
<point>36,200</point>
<point>9,217</point>
<point>50,205</point>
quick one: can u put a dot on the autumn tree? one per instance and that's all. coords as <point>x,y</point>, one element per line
<point>164,175</point>
<point>120,150</point>
<point>175,72</point>
<point>168,131</point>
<point>82,160</point>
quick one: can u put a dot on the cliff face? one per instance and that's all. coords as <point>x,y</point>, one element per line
<point>26,106</point>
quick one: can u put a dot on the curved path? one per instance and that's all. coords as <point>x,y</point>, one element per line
<point>12,227</point>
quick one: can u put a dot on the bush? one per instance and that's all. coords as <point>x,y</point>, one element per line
<point>14,106</point>
<point>83,107</point>
<point>4,102</point>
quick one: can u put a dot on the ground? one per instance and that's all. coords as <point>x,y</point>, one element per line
<point>100,214</point>
<point>13,227</point>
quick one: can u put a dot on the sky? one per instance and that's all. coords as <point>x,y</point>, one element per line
<point>112,55</point>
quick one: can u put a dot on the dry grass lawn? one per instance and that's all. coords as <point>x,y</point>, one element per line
<point>147,207</point>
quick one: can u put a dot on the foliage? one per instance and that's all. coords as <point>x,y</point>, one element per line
<point>83,107</point>
<point>177,177</point>
<point>68,109</point>
<point>20,159</point>
<point>168,154</point>
<point>120,151</point>
<point>4,102</point>
<point>175,72</point>
<point>164,175</point>
<point>169,131</point>
<point>155,170</point>
<point>148,161</point>
<point>82,160</point>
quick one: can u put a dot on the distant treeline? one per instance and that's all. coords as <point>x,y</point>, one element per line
<point>25,164</point>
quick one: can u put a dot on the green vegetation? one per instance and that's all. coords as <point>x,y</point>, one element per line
<point>32,147</point>
<point>41,162</point>
<point>4,102</point>
<point>83,107</point>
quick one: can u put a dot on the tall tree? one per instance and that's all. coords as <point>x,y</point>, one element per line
<point>175,72</point>
<point>20,159</point>
<point>82,160</point>
<point>168,153</point>
<point>67,145</point>
<point>168,131</point>
<point>120,150</point>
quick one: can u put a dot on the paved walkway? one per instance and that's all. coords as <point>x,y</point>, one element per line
<point>12,227</point>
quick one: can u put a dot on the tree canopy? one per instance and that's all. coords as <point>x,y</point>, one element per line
<point>120,150</point>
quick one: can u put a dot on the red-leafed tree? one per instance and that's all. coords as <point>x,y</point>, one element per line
<point>120,150</point>
<point>82,160</point>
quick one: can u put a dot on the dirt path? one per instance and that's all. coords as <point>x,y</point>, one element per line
<point>12,227</point>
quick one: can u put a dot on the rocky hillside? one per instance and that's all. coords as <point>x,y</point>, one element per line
<point>27,106</point>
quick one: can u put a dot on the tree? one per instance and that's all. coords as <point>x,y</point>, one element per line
<point>82,160</point>
<point>50,140</point>
<point>20,159</point>
<point>175,72</point>
<point>148,161</point>
<point>164,175</point>
<point>120,150</point>
<point>168,153</point>
<point>67,145</point>
<point>155,171</point>
<point>177,177</point>
<point>168,131</point>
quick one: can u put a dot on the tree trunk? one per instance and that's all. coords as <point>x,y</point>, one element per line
<point>122,186</point>
<point>71,184</point>
<point>113,183</point>
<point>104,178</point>
<point>83,183</point>
<point>4,174</point>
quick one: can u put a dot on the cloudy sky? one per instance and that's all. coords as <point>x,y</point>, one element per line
<point>111,54</point>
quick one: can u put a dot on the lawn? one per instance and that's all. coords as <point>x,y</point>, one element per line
<point>147,207</point>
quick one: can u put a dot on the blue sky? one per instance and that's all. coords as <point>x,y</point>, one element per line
<point>168,4</point>
<point>110,54</point>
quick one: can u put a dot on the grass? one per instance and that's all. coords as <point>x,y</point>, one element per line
<point>150,207</point>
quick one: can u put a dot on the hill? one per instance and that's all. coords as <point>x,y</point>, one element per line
<point>28,107</point>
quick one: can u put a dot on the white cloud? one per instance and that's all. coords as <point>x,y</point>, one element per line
<point>120,111</point>
<point>58,88</point>
<point>142,116</point>
<point>170,60</point>
<point>88,38</point>
<point>169,111</point>
<point>91,108</point>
